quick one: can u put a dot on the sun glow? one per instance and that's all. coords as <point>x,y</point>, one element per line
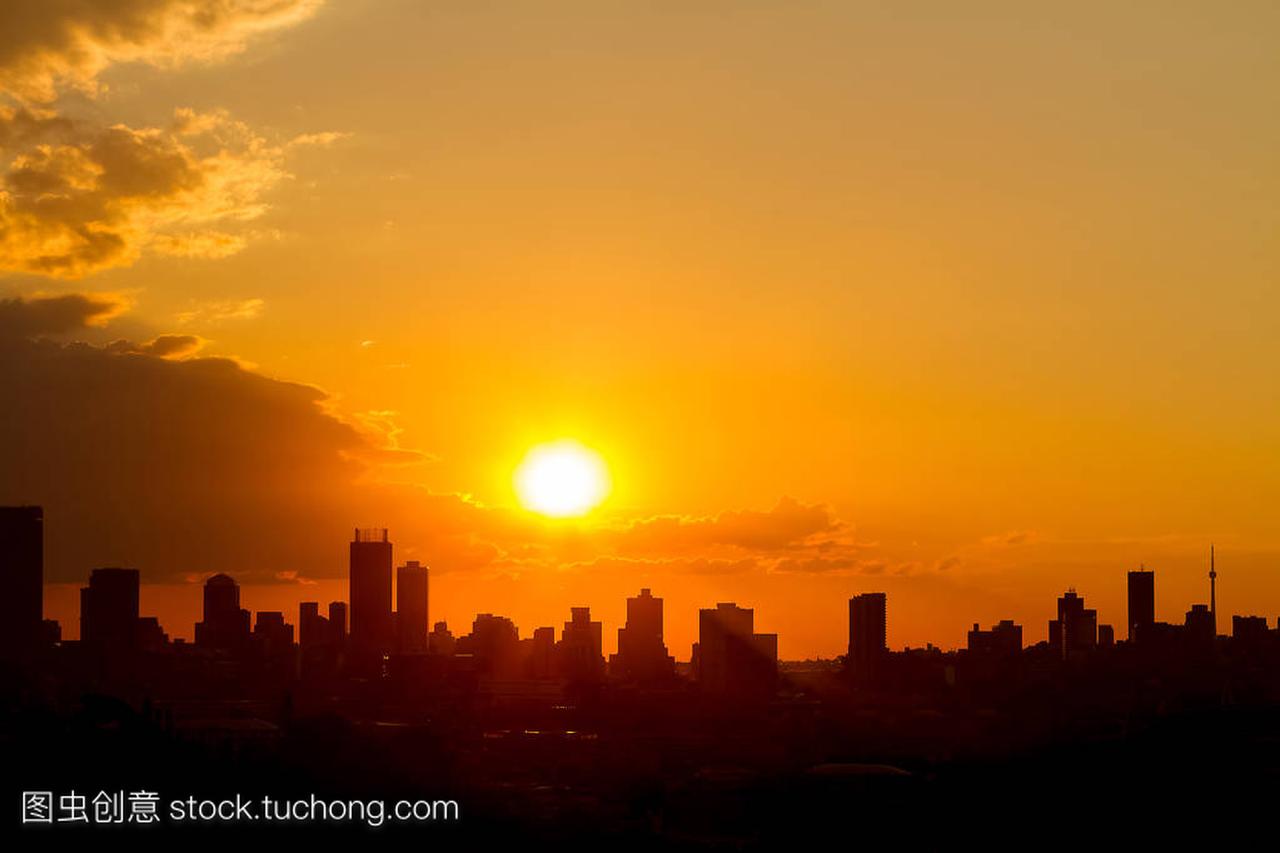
<point>562,479</point>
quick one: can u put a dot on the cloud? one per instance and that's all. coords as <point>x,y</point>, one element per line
<point>1011,538</point>
<point>151,455</point>
<point>77,197</point>
<point>164,346</point>
<point>790,524</point>
<point>55,315</point>
<point>46,45</point>
<point>220,310</point>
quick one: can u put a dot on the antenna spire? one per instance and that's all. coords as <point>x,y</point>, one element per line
<point>1213,589</point>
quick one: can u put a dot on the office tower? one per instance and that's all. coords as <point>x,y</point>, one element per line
<point>1075,629</point>
<point>731,658</point>
<point>1200,624</point>
<point>109,612</point>
<point>225,625</point>
<point>642,656</point>
<point>868,646</point>
<point>411,608</point>
<point>542,654</point>
<point>370,580</point>
<point>338,621</point>
<point>493,644</point>
<point>314,630</point>
<point>442,641</point>
<point>1003,640</point>
<point>1249,629</point>
<point>1142,603</point>
<point>150,636</point>
<point>580,650</point>
<point>22,568</point>
<point>1106,636</point>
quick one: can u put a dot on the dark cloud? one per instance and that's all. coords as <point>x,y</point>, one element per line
<point>163,346</point>
<point>144,454</point>
<point>56,315</point>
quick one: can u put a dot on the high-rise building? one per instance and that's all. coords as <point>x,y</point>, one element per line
<point>542,653</point>
<point>441,641</point>
<point>1003,640</point>
<point>1075,629</point>
<point>580,651</point>
<point>109,612</point>
<point>22,570</point>
<point>225,625</point>
<point>1106,636</point>
<point>370,583</point>
<point>338,621</point>
<point>731,658</point>
<point>642,656</point>
<point>314,630</point>
<point>493,644</point>
<point>1142,603</point>
<point>411,608</point>
<point>868,645</point>
<point>1200,625</point>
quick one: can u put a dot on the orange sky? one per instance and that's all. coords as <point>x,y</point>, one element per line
<point>968,305</point>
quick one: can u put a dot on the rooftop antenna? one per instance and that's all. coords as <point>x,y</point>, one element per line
<point>1213,589</point>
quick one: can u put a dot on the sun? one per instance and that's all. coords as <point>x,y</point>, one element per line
<point>562,479</point>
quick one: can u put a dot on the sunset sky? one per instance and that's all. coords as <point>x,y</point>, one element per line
<point>966,303</point>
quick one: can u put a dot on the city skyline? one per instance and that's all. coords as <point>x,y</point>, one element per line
<point>371,560</point>
<point>936,303</point>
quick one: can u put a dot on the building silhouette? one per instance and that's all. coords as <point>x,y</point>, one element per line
<point>109,615</point>
<point>729,657</point>
<point>542,653</point>
<point>411,608</point>
<point>1076,628</point>
<point>642,656</point>
<point>338,621</point>
<point>1142,603</point>
<point>370,585</point>
<point>1003,640</point>
<point>1200,624</point>
<point>22,570</point>
<point>580,650</point>
<point>868,641</point>
<point>225,624</point>
<point>493,645</point>
<point>441,641</point>
<point>1249,628</point>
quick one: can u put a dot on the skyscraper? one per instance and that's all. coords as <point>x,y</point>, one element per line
<point>225,625</point>
<point>731,657</point>
<point>109,612</point>
<point>642,656</point>
<point>411,608</point>
<point>1142,603</point>
<point>580,649</point>
<point>22,571</point>
<point>868,621</point>
<point>338,621</point>
<point>370,584</point>
<point>1075,629</point>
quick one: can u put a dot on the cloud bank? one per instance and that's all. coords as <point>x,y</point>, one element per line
<point>46,45</point>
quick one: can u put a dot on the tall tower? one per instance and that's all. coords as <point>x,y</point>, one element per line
<point>867,640</point>
<point>1142,602</point>
<point>371,625</point>
<point>1213,591</point>
<point>22,568</point>
<point>411,608</point>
